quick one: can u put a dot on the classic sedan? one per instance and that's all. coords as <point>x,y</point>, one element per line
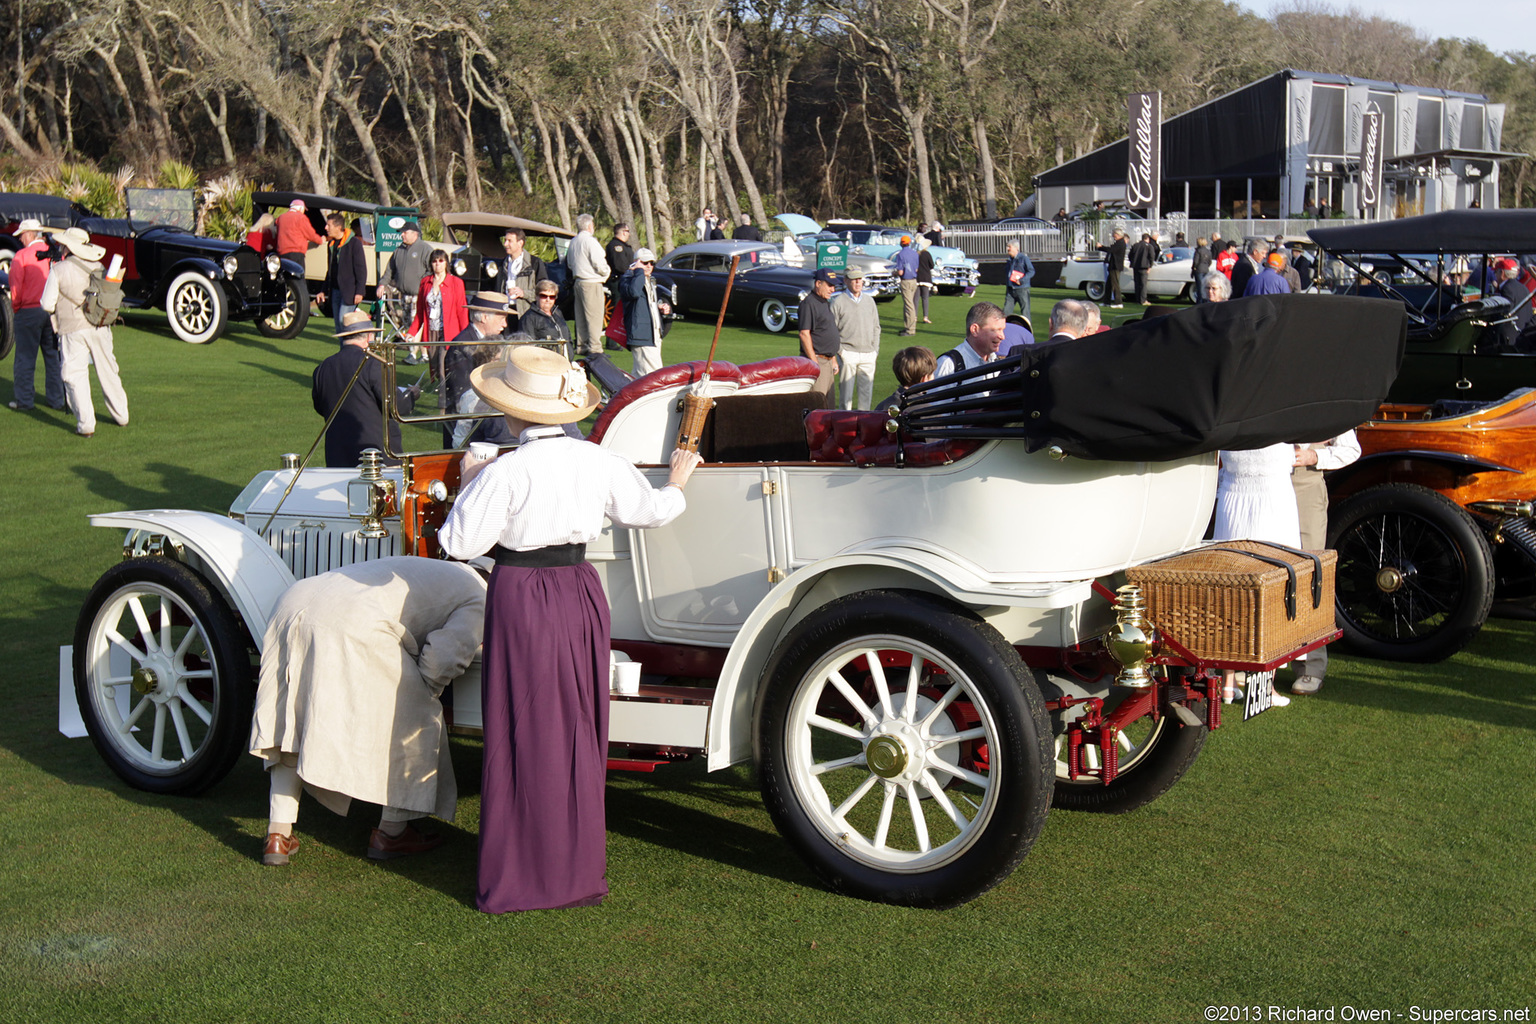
<point>953,270</point>
<point>1169,279</point>
<point>767,289</point>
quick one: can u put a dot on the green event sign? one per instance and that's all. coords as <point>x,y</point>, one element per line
<point>387,222</point>
<point>831,255</point>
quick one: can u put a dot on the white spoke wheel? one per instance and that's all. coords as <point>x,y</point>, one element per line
<point>196,307</point>
<point>290,320</point>
<point>904,749</point>
<point>163,676</point>
<point>1152,756</point>
<point>774,314</point>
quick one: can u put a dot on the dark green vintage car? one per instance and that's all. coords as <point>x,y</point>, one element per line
<point>1455,333</point>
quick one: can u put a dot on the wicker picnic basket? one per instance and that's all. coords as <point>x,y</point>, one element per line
<point>1240,601</point>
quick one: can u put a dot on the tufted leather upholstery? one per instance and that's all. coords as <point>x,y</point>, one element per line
<point>860,438</point>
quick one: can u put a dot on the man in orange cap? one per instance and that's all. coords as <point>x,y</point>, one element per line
<point>1269,281</point>
<point>906,270</point>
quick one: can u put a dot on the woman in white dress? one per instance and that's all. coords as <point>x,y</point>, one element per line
<point>1255,501</point>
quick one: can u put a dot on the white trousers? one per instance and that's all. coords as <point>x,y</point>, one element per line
<point>858,368</point>
<point>79,350</point>
<point>283,798</point>
<point>647,359</point>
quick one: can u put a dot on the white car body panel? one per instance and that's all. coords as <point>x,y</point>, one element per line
<point>1164,280</point>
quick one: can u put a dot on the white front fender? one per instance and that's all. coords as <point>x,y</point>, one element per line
<point>230,554</point>
<point>808,588</point>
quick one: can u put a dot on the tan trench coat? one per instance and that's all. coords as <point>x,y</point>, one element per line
<point>351,671</point>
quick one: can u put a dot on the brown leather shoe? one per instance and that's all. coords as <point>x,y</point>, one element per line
<point>279,846</point>
<point>382,846</point>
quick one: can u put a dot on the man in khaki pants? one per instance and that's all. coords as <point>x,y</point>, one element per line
<point>589,271</point>
<point>1312,461</point>
<point>906,270</point>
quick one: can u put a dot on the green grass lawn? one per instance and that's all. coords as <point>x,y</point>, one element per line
<point>1370,847</point>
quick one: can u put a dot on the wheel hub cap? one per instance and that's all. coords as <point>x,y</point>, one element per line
<point>144,680</point>
<point>1389,579</point>
<point>886,756</point>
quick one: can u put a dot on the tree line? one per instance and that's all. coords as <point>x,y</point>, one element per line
<point>644,112</point>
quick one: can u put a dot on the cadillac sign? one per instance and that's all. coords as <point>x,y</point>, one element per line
<point>1143,179</point>
<point>1371,158</point>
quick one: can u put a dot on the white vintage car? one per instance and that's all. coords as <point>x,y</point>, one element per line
<point>1166,280</point>
<point>907,622</point>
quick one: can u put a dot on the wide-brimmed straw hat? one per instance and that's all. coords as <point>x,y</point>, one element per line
<point>535,385</point>
<point>489,302</point>
<point>354,323</point>
<point>79,243</point>
<point>32,224</point>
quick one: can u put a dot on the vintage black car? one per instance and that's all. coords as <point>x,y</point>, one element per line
<point>767,289</point>
<point>1454,347</point>
<point>201,283</point>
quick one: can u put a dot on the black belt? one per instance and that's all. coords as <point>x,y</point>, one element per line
<point>541,558</point>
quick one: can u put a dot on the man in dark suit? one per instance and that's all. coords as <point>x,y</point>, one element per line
<point>1248,265</point>
<point>1199,266</point>
<point>358,404</point>
<point>746,231</point>
<point>1115,251</point>
<point>347,277</point>
<point>488,313</point>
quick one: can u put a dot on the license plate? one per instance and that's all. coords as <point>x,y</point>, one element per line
<point>1260,694</point>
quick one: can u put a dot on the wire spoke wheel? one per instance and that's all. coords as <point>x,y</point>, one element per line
<point>1415,574</point>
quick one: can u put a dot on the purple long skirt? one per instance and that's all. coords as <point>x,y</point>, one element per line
<point>544,693</point>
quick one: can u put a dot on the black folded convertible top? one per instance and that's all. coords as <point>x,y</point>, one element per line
<point>1234,375</point>
<point>1464,231</point>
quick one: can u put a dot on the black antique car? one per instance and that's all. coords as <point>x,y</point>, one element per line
<point>1454,348</point>
<point>767,289</point>
<point>201,283</point>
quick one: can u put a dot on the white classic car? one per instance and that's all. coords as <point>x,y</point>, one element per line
<point>917,675</point>
<point>1169,279</point>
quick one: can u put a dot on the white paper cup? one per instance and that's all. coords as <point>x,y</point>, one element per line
<point>626,678</point>
<point>483,451</point>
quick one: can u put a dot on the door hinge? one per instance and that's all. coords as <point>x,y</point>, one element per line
<point>770,487</point>
<point>775,574</point>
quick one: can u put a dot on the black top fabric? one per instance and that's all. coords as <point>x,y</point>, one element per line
<point>1226,375</point>
<point>360,423</point>
<point>1467,231</point>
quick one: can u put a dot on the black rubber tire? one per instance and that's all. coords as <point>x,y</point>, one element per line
<point>196,307</point>
<point>7,326</point>
<point>1020,770</point>
<point>1415,574</point>
<point>1159,761</point>
<point>293,318</point>
<point>1094,290</point>
<point>221,646</point>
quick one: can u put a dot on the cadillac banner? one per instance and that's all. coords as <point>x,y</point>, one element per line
<point>1144,177</point>
<point>1371,158</point>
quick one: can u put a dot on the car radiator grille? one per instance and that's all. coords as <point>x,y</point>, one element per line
<point>309,552</point>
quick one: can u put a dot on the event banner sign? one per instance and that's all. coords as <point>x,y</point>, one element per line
<point>1407,124</point>
<point>1298,142</point>
<point>1495,137</point>
<point>1450,122</point>
<point>1372,159</point>
<point>1355,99</point>
<point>1144,177</point>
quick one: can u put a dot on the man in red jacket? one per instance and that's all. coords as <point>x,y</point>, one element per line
<point>32,325</point>
<point>295,234</point>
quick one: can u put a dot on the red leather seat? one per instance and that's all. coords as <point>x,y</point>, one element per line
<point>779,368</point>
<point>860,438</point>
<point>673,376</point>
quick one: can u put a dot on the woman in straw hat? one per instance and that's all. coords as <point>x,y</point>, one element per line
<point>81,342</point>
<point>545,676</point>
